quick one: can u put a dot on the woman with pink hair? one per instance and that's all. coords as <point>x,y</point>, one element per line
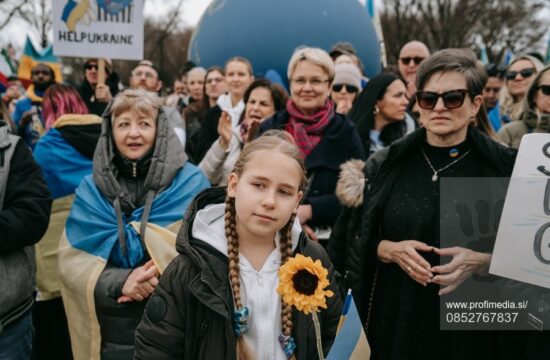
<point>65,154</point>
<point>59,100</point>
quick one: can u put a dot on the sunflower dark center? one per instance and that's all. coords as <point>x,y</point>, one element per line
<point>305,282</point>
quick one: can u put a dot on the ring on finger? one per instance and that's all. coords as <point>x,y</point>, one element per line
<point>409,269</point>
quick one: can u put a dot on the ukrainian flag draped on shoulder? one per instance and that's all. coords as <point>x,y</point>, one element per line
<point>92,224</point>
<point>91,240</point>
<point>63,168</point>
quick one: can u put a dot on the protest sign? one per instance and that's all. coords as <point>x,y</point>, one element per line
<point>522,248</point>
<point>98,28</point>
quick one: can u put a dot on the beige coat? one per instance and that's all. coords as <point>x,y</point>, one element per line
<point>218,163</point>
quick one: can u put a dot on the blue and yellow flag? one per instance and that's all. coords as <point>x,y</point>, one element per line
<point>63,168</point>
<point>351,341</point>
<point>91,239</point>
<point>62,165</point>
<point>31,57</point>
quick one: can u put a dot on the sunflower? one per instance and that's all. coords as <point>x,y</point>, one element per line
<point>302,282</point>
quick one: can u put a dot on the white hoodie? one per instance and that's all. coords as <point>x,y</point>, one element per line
<point>258,288</point>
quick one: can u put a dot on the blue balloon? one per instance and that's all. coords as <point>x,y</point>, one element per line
<point>268,32</point>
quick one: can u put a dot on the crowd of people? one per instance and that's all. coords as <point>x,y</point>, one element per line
<point>147,225</point>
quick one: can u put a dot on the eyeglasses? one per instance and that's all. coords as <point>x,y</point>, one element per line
<point>525,73</point>
<point>496,70</point>
<point>407,60</point>
<point>313,82</point>
<point>349,88</point>
<point>214,80</point>
<point>545,89</point>
<point>451,99</point>
<point>90,66</point>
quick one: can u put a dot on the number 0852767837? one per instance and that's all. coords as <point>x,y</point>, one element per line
<point>481,317</point>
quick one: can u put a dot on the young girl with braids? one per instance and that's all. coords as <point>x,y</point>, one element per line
<point>218,299</point>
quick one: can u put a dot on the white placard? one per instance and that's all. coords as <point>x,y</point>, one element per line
<point>522,248</point>
<point>98,28</point>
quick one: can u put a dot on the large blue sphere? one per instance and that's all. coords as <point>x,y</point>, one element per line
<point>266,32</point>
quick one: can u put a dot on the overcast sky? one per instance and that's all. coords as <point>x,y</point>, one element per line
<point>191,13</point>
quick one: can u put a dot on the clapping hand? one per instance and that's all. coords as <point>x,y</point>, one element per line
<point>251,131</point>
<point>225,130</point>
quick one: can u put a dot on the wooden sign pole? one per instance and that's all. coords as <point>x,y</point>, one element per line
<point>101,71</point>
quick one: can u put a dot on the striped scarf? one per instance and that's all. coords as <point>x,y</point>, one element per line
<point>307,130</point>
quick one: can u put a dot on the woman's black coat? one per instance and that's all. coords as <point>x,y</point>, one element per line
<point>355,236</point>
<point>340,143</point>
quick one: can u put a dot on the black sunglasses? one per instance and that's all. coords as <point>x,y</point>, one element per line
<point>90,66</point>
<point>451,99</point>
<point>545,89</point>
<point>525,73</point>
<point>349,88</point>
<point>407,60</point>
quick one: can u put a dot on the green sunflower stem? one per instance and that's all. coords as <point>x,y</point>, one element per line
<point>317,327</point>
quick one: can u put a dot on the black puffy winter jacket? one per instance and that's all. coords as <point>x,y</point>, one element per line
<point>189,314</point>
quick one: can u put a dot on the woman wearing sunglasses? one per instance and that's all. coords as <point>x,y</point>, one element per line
<point>380,111</point>
<point>388,240</point>
<point>518,77</point>
<point>345,87</point>
<point>535,116</point>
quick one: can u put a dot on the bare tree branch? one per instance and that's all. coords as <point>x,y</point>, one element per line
<point>14,11</point>
<point>494,24</point>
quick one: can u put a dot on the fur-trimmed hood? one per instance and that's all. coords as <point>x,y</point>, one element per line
<point>351,183</point>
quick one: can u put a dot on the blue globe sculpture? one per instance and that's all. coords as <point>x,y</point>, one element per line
<point>266,32</point>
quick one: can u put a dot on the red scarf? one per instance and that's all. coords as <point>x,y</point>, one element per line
<point>307,130</point>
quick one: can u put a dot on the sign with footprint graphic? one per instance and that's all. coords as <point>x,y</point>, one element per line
<point>522,248</point>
